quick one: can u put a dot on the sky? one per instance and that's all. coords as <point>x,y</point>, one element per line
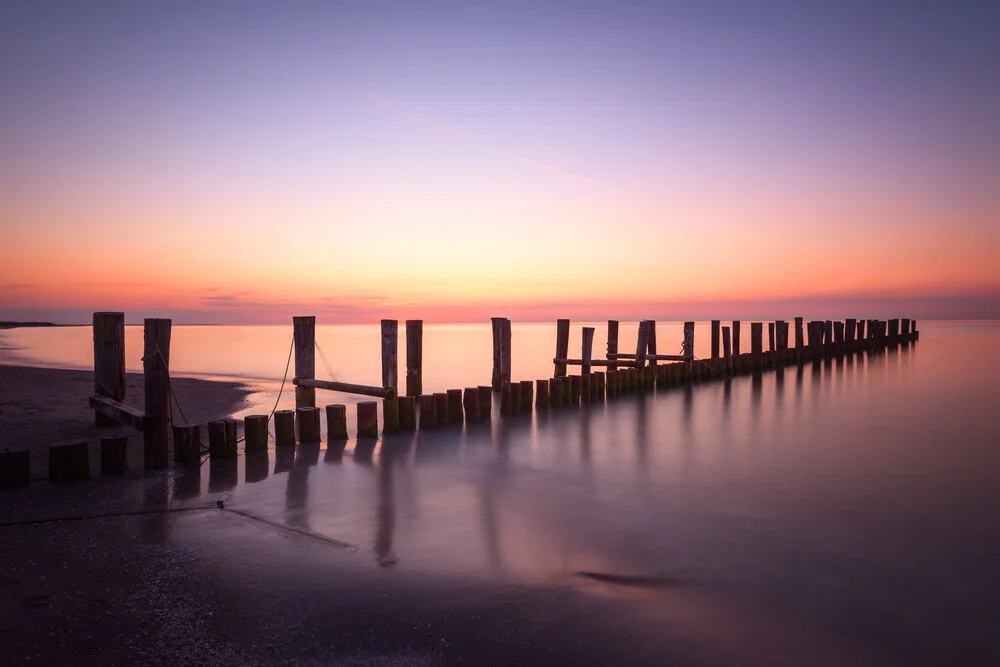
<point>242,162</point>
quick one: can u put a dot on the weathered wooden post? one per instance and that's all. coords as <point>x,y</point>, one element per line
<point>109,360</point>
<point>736,338</point>
<point>156,376</point>
<point>756,343</point>
<point>642,343</point>
<point>222,439</point>
<point>284,428</point>
<point>428,411</point>
<point>414,357</point>
<point>893,329</point>
<point>850,329</point>
<point>114,452</point>
<point>255,432</point>
<point>799,338</point>
<point>612,343</point>
<point>69,461</point>
<point>905,327</point>
<point>505,409</point>
<point>771,344</point>
<point>715,339</point>
<point>542,393</point>
<point>575,389</point>
<point>496,326</point>
<point>485,403</point>
<point>562,346</point>
<point>828,332</point>
<point>407,413</point>
<point>527,395</point>
<point>304,336</point>
<point>555,392</point>
<point>838,332</point>
<point>187,444</point>
<point>368,419</point>
<point>727,352</point>
<point>455,405</point>
<point>588,349</point>
<point>441,407</point>
<point>651,346</point>
<point>390,350</point>
<point>515,398</point>
<point>470,401</point>
<point>688,344</point>
<point>336,422</point>
<point>501,352</point>
<point>861,330</point>
<point>782,327</point>
<point>308,422</point>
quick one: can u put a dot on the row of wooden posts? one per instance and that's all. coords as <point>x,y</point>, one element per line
<point>626,372</point>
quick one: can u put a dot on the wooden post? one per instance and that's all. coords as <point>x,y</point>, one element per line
<point>307,420</point>
<point>114,452</point>
<point>390,414</point>
<point>651,340</point>
<point>187,445</point>
<point>555,392</point>
<point>15,468</point>
<point>642,343</point>
<point>304,335</point>
<point>905,327</point>
<point>485,403</point>
<point>838,332</point>
<point>505,357</point>
<point>222,438</point>
<point>428,411</point>
<point>505,400</point>
<point>336,422</point>
<point>612,343</point>
<point>109,360</point>
<point>527,395</point>
<point>515,398</point>
<point>689,340</point>
<point>562,345</point>
<point>69,461</point>
<point>756,342</point>
<point>828,332</point>
<point>771,345</point>
<point>597,393</point>
<point>727,352</point>
<point>407,413</point>
<point>368,419</point>
<point>850,329</point>
<point>715,339</point>
<point>441,407</point>
<point>782,327</point>
<point>861,330</point>
<point>255,432</point>
<point>575,389</point>
<point>588,349</point>
<point>284,428</point>
<point>156,376</point>
<point>497,326</point>
<point>799,338</point>
<point>542,393</point>
<point>470,401</point>
<point>893,329</point>
<point>736,338</point>
<point>414,357</point>
<point>390,349</point>
<point>455,406</point>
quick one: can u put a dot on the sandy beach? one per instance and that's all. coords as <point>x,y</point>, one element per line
<point>42,406</point>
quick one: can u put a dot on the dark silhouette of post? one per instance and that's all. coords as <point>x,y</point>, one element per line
<point>304,335</point>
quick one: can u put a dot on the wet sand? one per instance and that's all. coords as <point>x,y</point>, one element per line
<point>42,406</point>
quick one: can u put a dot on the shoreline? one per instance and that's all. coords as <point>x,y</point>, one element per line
<point>41,406</point>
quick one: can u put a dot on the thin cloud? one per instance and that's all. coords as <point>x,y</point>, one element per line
<point>414,114</point>
<point>558,171</point>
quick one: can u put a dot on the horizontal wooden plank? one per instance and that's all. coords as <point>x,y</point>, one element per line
<point>346,387</point>
<point>667,357</point>
<point>595,362</point>
<point>122,413</point>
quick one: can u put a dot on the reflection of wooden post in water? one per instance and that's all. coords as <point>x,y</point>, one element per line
<point>386,513</point>
<point>304,337</point>
<point>109,360</point>
<point>414,357</point>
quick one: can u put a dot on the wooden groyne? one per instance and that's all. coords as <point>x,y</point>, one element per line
<point>625,372</point>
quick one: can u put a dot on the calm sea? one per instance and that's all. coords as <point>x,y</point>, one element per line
<point>850,504</point>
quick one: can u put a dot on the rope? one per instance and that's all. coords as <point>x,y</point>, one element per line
<point>323,359</point>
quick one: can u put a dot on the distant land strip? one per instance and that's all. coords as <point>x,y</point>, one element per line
<point>14,325</point>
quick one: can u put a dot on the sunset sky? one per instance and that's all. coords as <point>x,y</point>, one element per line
<point>246,161</point>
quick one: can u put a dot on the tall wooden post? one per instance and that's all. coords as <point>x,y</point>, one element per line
<point>782,327</point>
<point>612,343</point>
<point>893,325</point>
<point>905,327</point>
<point>390,349</point>
<point>156,378</point>
<point>850,329</point>
<point>588,349</point>
<point>651,341</point>
<point>562,346</point>
<point>715,339</point>
<point>109,360</point>
<point>736,338</point>
<point>861,330</point>
<point>689,340</point>
<point>828,332</point>
<point>505,357</point>
<point>727,352</point>
<point>756,342</point>
<point>414,357</point>
<point>799,338</point>
<point>642,343</point>
<point>771,346</point>
<point>838,332</point>
<point>497,327</point>
<point>304,335</point>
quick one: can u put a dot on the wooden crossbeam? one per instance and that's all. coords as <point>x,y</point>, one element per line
<point>122,413</point>
<point>346,387</point>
